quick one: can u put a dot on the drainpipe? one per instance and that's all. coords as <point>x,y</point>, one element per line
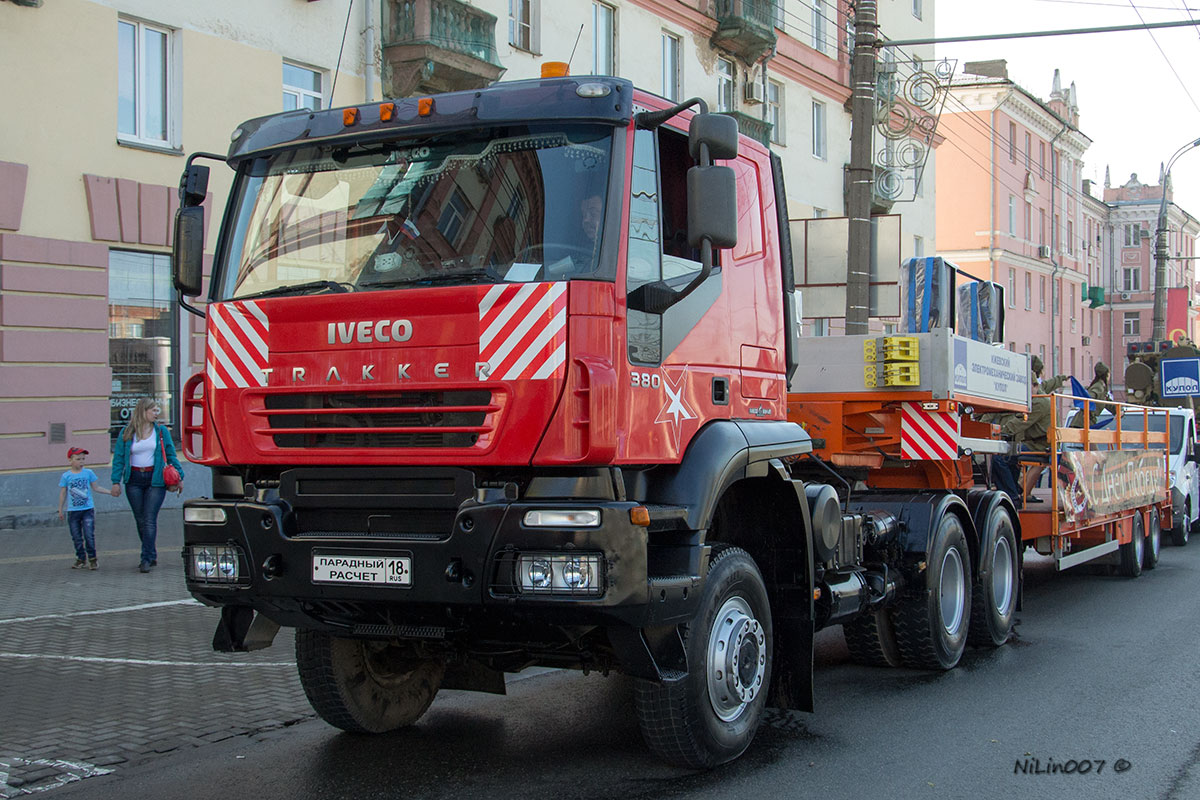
<point>369,51</point>
<point>1112,314</point>
<point>1054,299</point>
<point>992,195</point>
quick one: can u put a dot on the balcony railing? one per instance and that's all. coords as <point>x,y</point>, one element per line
<point>745,28</point>
<point>438,46</point>
<point>754,127</point>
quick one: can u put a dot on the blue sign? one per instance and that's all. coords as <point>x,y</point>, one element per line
<point>1180,377</point>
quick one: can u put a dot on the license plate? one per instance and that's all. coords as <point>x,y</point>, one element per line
<point>379,570</point>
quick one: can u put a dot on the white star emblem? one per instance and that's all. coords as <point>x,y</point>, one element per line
<point>676,407</point>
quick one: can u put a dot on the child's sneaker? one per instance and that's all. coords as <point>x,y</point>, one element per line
<point>92,564</point>
<point>79,564</point>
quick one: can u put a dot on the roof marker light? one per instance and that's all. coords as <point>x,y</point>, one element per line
<point>555,69</point>
<point>386,111</point>
<point>593,90</point>
<point>425,106</point>
<point>349,116</point>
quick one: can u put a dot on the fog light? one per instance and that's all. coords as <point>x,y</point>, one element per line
<point>204,514</point>
<point>227,562</point>
<point>563,518</point>
<point>204,563</point>
<point>577,574</point>
<point>541,575</point>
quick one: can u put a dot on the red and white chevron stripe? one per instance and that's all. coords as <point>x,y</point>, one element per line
<point>237,344</point>
<point>928,435</point>
<point>523,331</point>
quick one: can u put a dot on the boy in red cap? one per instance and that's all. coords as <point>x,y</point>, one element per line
<point>77,484</point>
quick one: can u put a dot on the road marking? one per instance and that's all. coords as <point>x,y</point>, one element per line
<point>120,610</point>
<point>34,559</point>
<point>147,662</point>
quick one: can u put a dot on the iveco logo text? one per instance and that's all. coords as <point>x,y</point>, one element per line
<point>367,331</point>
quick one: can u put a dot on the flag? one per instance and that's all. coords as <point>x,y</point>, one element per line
<point>1079,392</point>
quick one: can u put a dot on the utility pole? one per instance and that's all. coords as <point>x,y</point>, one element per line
<point>1161,251</point>
<point>861,171</point>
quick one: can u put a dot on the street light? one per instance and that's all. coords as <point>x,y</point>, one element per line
<point>1160,251</point>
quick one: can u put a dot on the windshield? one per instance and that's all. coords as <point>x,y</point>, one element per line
<point>514,204</point>
<point>1157,422</point>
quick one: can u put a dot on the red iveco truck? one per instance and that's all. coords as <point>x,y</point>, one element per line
<point>499,378</point>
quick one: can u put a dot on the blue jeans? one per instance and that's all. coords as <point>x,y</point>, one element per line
<point>82,525</point>
<point>145,500</point>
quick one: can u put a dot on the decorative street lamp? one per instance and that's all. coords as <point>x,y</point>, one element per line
<point>1160,252</point>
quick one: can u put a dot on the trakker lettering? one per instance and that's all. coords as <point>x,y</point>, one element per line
<point>367,331</point>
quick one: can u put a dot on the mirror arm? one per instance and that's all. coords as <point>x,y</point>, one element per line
<point>189,308</point>
<point>649,120</point>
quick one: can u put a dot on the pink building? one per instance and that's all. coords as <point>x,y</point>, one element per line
<point>1010,209</point>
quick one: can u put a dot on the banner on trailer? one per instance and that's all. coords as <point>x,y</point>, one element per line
<point>1092,483</point>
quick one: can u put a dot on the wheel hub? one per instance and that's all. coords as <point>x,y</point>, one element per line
<point>737,659</point>
<point>952,591</point>
<point>1002,575</point>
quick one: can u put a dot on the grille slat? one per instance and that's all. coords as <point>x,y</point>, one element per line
<point>450,419</point>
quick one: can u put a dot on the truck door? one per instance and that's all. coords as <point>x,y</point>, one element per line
<point>674,357</point>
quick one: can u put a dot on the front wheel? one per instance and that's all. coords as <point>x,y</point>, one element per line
<point>1183,527</point>
<point>709,716</point>
<point>931,628</point>
<point>364,686</point>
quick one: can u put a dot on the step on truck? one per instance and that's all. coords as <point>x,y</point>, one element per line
<point>499,378</point>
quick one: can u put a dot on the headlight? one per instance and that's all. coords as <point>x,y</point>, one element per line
<point>563,518</point>
<point>213,563</point>
<point>560,574</point>
<point>204,514</point>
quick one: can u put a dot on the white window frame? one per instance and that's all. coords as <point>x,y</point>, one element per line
<point>1131,279</point>
<point>604,39</point>
<point>300,92</point>
<point>1133,231</point>
<point>170,79</point>
<point>726,83</point>
<point>916,8</point>
<point>1012,288</point>
<point>523,18</point>
<point>918,247</point>
<point>1012,215</point>
<point>775,110</point>
<point>820,143</point>
<point>1131,323</point>
<point>672,77</point>
<point>818,26</point>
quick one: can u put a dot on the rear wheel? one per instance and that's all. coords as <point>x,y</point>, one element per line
<point>365,686</point>
<point>931,629</point>
<point>710,715</point>
<point>1153,541</point>
<point>994,599</point>
<point>1133,551</point>
<point>871,640</point>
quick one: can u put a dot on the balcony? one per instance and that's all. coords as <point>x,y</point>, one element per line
<point>754,127</point>
<point>434,46</point>
<point>745,28</point>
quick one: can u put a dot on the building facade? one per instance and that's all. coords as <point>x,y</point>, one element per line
<point>88,317</point>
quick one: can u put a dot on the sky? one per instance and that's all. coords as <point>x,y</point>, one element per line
<point>1131,104</point>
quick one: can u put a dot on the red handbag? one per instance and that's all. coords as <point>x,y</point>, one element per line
<point>171,476</point>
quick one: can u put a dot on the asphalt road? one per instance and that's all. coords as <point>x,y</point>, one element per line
<point>1105,672</point>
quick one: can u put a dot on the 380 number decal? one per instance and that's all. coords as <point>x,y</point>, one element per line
<point>645,380</point>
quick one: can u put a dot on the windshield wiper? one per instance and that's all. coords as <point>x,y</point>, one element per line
<point>431,280</point>
<point>301,288</point>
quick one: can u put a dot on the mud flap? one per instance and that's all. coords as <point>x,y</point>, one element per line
<point>240,630</point>
<point>792,678</point>
<point>472,676</point>
<point>654,654</point>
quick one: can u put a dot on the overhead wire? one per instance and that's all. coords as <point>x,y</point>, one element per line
<point>1165,57</point>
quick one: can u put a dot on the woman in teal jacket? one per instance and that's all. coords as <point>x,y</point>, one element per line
<point>138,463</point>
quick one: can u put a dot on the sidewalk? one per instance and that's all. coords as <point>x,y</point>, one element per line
<point>101,669</point>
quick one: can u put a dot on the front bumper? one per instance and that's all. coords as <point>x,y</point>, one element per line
<point>469,569</point>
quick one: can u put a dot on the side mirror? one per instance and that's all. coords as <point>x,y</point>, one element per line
<point>718,131</point>
<point>188,253</point>
<point>712,206</point>
<point>193,185</point>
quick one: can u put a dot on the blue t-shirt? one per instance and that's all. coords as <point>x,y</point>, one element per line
<point>79,489</point>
